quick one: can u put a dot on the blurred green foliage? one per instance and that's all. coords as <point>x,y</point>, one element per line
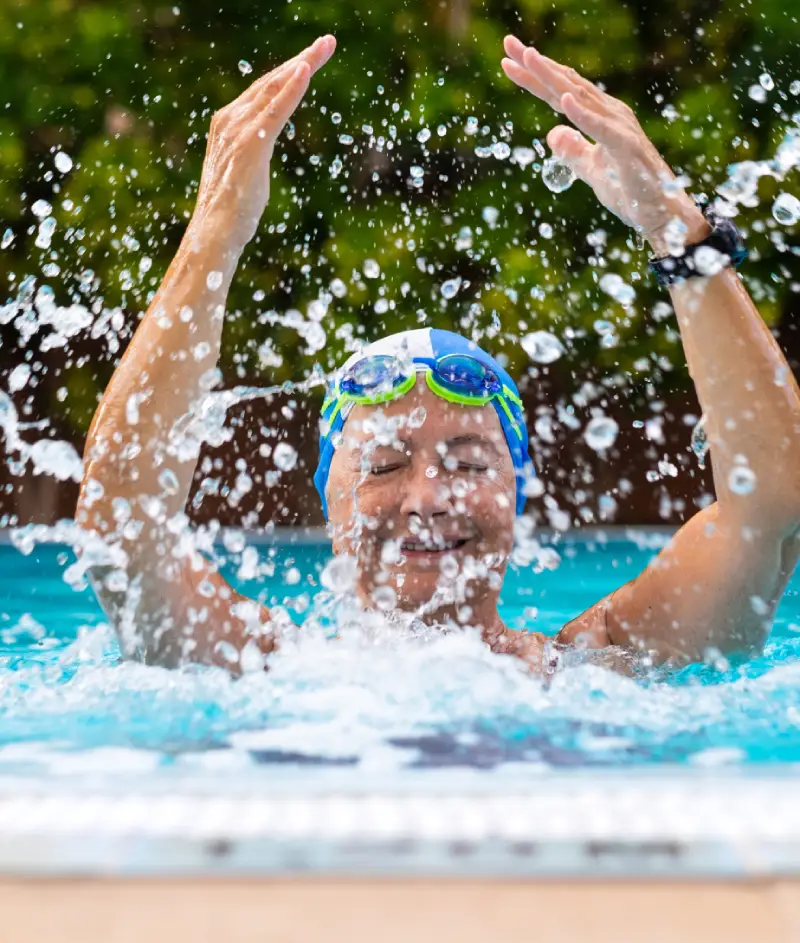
<point>127,90</point>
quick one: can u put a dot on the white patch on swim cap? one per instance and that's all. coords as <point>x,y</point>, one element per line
<point>409,344</point>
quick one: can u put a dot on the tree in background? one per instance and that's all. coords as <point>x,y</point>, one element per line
<point>410,192</point>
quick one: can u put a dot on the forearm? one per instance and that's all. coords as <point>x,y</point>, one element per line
<point>130,450</point>
<point>746,389</point>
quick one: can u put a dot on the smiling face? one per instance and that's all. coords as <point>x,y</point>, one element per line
<point>422,493</point>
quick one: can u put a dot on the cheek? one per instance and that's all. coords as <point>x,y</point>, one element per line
<point>491,505</point>
<point>379,496</point>
<point>369,502</point>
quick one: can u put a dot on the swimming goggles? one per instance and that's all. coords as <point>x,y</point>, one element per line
<point>457,378</point>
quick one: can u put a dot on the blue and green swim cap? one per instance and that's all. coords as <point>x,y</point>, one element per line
<point>442,355</point>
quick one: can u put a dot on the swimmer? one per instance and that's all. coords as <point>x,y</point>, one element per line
<point>423,459</point>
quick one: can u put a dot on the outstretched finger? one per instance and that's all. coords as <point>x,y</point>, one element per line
<point>572,148</point>
<point>609,130</point>
<point>522,77</point>
<point>279,109</point>
<point>315,55</point>
<point>559,80</point>
<point>515,49</point>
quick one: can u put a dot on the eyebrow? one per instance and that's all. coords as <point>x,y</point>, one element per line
<point>470,439</point>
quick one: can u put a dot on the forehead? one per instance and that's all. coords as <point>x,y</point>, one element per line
<point>443,420</point>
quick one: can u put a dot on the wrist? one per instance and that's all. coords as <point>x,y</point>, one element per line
<point>220,227</point>
<point>697,229</point>
<point>215,233</point>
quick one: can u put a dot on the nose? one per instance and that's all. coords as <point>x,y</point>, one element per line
<point>426,493</point>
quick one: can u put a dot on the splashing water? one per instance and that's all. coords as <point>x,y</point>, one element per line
<point>542,347</point>
<point>556,175</point>
<point>699,442</point>
<point>601,433</point>
<point>786,209</point>
<point>387,696</point>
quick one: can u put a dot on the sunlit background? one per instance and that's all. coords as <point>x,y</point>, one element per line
<point>407,192</point>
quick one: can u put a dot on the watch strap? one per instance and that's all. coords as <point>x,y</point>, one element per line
<point>724,239</point>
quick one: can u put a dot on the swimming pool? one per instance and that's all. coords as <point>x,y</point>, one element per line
<point>401,755</point>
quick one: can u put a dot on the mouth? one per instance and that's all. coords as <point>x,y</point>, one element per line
<point>419,548</point>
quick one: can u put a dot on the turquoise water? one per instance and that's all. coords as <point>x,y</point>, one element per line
<point>68,704</point>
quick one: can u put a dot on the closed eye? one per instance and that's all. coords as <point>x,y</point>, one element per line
<point>383,469</point>
<point>472,467</point>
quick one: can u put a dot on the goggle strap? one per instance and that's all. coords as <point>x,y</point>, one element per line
<point>510,415</point>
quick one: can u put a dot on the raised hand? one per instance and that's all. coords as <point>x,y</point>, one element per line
<point>626,172</point>
<point>235,179</point>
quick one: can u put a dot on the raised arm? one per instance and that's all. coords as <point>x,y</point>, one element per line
<point>717,584</point>
<point>166,600</point>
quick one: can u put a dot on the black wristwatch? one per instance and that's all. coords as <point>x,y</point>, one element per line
<point>725,239</point>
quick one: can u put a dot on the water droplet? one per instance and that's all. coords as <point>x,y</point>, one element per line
<point>600,433</point>
<point>63,162</point>
<point>523,156</point>
<point>19,377</point>
<point>742,479</point>
<point>708,260</point>
<point>424,135</point>
<point>384,598</point>
<point>416,172</point>
<point>786,209</point>
<point>620,290</point>
<point>765,81</point>
<point>338,288</point>
<point>490,215</point>
<point>336,118</point>
<point>41,209</point>
<point>699,441</point>
<point>213,280</point>
<point>336,167</point>
<point>788,154</point>
<point>794,88</point>
<point>346,139</point>
<point>557,175</point>
<point>542,346</point>
<point>284,456</point>
<point>339,575</point>
<point>450,288</point>
<point>168,481</point>
<point>8,238</point>
<point>244,67</point>
<point>46,229</point>
<point>501,150</point>
<point>57,458</point>
<point>371,268</point>
<point>604,327</point>
<point>757,93</point>
<point>546,230</point>
<point>416,417</point>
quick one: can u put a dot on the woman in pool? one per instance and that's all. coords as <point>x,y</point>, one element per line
<point>427,505</point>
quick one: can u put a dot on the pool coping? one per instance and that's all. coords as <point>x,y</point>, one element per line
<point>707,824</point>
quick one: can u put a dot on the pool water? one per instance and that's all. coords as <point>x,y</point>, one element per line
<point>363,706</point>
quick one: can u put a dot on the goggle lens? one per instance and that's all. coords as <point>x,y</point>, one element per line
<point>380,375</point>
<point>466,374</point>
<point>373,376</point>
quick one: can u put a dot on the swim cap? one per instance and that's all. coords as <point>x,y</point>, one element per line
<point>420,346</point>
